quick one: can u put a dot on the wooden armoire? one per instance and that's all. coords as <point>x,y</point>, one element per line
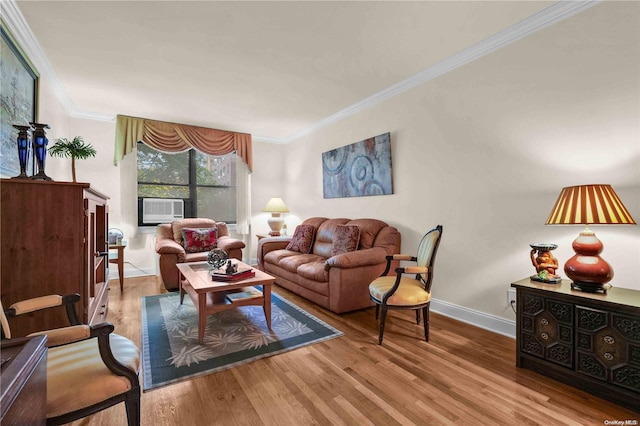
<point>54,240</point>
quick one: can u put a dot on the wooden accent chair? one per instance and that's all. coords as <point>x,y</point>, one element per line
<point>88,367</point>
<point>400,292</point>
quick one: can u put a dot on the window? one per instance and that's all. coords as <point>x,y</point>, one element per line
<point>206,183</point>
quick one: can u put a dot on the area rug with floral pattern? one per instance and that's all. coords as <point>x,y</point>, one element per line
<point>170,346</point>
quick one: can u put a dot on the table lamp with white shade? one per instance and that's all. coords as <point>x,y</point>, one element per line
<point>276,207</point>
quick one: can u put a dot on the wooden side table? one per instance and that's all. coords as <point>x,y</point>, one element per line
<point>119,260</point>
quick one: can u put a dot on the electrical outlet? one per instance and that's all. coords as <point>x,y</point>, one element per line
<point>511,296</point>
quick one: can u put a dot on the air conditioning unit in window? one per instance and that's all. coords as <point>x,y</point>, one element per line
<point>162,210</point>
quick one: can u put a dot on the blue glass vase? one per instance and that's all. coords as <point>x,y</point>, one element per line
<point>40,143</point>
<point>24,149</point>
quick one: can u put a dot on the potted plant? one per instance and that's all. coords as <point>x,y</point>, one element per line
<point>76,148</point>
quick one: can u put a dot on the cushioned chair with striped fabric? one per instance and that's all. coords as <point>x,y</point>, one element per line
<point>410,288</point>
<point>88,367</point>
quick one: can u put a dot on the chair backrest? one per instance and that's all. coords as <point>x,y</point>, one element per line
<point>178,225</point>
<point>427,251</point>
<point>6,331</point>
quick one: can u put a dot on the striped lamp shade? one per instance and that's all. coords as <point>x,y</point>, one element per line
<point>589,204</point>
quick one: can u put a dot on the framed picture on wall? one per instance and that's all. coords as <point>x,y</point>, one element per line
<point>18,100</point>
<point>358,170</point>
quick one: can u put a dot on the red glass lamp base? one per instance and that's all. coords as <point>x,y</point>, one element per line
<point>586,268</point>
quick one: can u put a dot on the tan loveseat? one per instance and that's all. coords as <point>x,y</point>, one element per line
<point>338,282</point>
<point>169,245</point>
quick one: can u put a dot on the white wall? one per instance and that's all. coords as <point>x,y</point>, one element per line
<point>484,150</point>
<point>267,181</point>
<point>51,111</point>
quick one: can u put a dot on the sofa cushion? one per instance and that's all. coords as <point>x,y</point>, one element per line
<point>345,239</point>
<point>292,263</point>
<point>275,256</point>
<point>314,271</point>
<point>196,257</point>
<point>199,239</point>
<point>324,236</point>
<point>369,231</point>
<point>302,239</point>
<point>315,221</point>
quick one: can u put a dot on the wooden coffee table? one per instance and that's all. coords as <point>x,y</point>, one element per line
<point>210,297</point>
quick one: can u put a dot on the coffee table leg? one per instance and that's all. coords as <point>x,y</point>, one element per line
<point>181,289</point>
<point>267,303</point>
<point>202,315</point>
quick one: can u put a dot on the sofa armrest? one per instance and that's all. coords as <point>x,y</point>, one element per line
<point>169,246</point>
<point>358,258</point>
<point>267,244</point>
<point>227,243</point>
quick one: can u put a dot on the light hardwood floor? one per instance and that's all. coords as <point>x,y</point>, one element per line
<point>464,375</point>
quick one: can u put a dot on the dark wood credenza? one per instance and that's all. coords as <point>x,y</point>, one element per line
<point>588,340</point>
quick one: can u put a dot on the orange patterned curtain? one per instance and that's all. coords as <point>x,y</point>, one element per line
<point>173,137</point>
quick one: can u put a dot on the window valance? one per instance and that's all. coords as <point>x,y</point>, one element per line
<point>173,137</point>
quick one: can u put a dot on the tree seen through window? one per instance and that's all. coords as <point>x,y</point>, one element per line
<point>205,180</point>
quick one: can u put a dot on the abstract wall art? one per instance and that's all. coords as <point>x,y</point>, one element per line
<point>358,170</point>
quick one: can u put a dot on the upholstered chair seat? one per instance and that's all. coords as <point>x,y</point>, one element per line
<point>410,291</point>
<point>69,366</point>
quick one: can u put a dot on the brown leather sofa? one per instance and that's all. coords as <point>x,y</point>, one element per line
<point>169,245</point>
<point>339,283</point>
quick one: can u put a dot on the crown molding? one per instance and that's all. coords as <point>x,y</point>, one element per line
<point>549,16</point>
<point>536,22</point>
<point>24,36</point>
<point>96,116</point>
<point>21,30</point>
<point>267,139</point>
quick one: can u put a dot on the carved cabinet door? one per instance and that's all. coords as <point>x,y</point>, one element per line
<point>547,329</point>
<point>608,346</point>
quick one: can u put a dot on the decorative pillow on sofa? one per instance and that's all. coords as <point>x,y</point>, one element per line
<point>199,239</point>
<point>345,239</point>
<point>302,239</point>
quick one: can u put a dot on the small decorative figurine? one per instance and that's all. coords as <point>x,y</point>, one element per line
<point>544,263</point>
<point>231,267</point>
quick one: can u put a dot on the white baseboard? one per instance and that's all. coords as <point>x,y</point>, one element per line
<point>130,272</point>
<point>475,318</point>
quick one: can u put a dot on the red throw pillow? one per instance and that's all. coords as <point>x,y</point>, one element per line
<point>345,239</point>
<point>302,239</point>
<point>199,239</point>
